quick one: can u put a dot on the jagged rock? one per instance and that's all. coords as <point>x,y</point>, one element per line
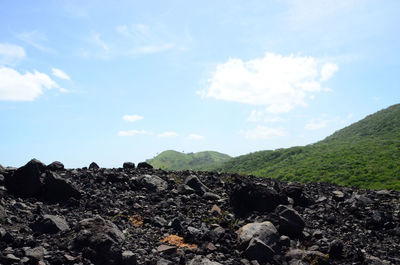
<point>153,183</point>
<point>247,197</point>
<point>3,214</point>
<point>93,166</point>
<point>128,165</point>
<point>265,231</point>
<point>335,249</point>
<point>26,180</point>
<point>100,239</point>
<point>185,189</point>
<point>199,260</point>
<point>338,195</point>
<point>56,166</point>
<point>258,250</point>
<point>128,258</point>
<point>35,254</point>
<point>57,189</point>
<point>290,222</point>
<point>1,168</point>
<point>50,224</point>
<point>195,183</point>
<point>144,165</point>
<point>210,196</point>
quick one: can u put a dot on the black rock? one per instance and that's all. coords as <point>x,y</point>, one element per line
<point>247,197</point>
<point>26,180</point>
<point>128,258</point>
<point>128,165</point>
<point>57,189</point>
<point>56,166</point>
<point>290,222</point>
<point>144,165</point>
<point>258,250</point>
<point>335,249</point>
<point>195,183</point>
<point>93,166</point>
<point>100,240</point>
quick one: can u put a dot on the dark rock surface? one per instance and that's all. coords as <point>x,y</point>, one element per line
<point>51,215</point>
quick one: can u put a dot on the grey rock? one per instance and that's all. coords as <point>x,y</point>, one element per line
<point>128,258</point>
<point>264,231</point>
<point>35,253</point>
<point>199,260</point>
<point>50,224</point>
<point>153,183</point>
<point>3,214</point>
<point>211,196</point>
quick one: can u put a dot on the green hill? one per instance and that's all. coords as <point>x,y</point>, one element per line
<point>173,160</point>
<point>365,154</point>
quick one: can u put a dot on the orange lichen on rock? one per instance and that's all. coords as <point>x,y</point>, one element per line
<point>178,241</point>
<point>136,220</point>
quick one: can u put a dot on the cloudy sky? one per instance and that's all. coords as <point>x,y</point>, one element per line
<point>115,81</point>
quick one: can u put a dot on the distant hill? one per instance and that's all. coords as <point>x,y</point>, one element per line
<point>365,154</point>
<point>173,160</point>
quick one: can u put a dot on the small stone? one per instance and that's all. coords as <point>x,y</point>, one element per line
<point>35,253</point>
<point>166,249</point>
<point>215,210</point>
<point>210,196</point>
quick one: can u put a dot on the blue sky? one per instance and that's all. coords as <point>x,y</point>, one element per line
<point>103,81</point>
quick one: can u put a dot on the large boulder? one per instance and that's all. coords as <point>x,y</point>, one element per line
<point>93,166</point>
<point>56,166</point>
<point>247,197</point>
<point>194,182</point>
<point>57,189</point>
<point>153,183</point>
<point>26,180</point>
<point>290,222</point>
<point>265,231</point>
<point>144,165</point>
<point>128,165</point>
<point>100,241</point>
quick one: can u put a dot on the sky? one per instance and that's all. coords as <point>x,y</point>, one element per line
<point>116,81</point>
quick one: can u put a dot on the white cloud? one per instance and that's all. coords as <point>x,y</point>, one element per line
<point>328,70</point>
<point>264,133</point>
<point>132,118</point>
<point>15,86</point>
<point>97,40</point>
<point>316,124</point>
<point>133,133</point>
<point>195,137</point>
<point>60,74</point>
<point>167,134</point>
<point>263,116</point>
<point>152,49</point>
<point>281,83</point>
<point>35,39</point>
<point>11,54</point>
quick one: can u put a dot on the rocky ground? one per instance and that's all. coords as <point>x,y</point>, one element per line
<point>139,215</point>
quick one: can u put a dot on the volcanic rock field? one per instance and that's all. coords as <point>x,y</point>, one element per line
<point>140,215</point>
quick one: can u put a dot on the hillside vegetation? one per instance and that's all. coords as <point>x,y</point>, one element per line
<point>365,154</point>
<point>173,160</point>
